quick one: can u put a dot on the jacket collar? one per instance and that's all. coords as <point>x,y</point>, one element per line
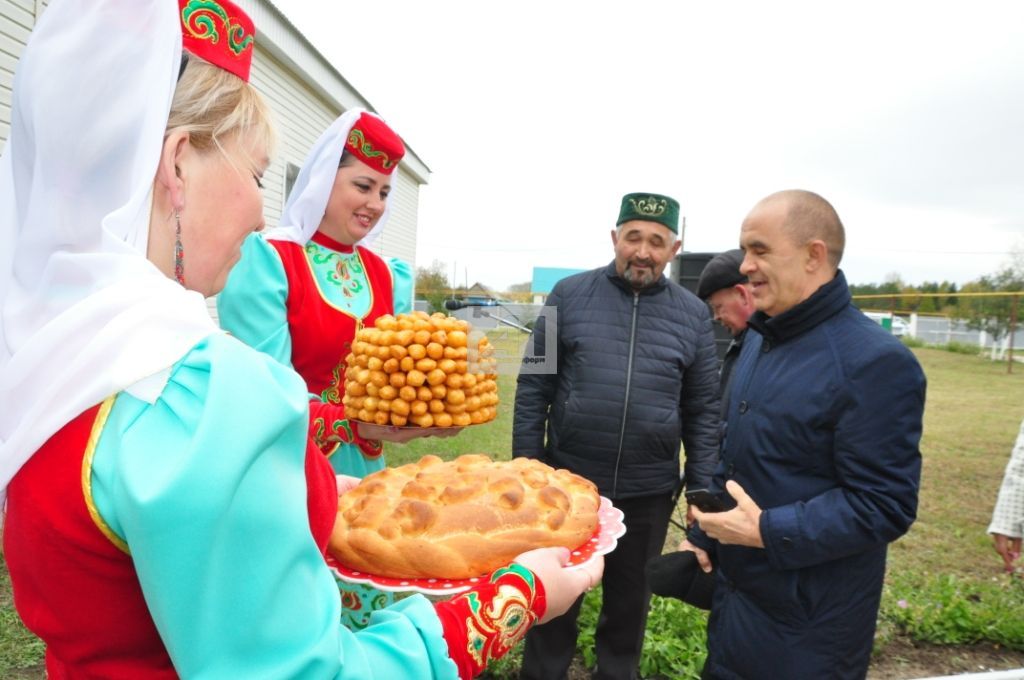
<point>613,274</point>
<point>736,344</point>
<point>827,301</point>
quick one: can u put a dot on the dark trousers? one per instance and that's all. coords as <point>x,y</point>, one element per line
<point>619,637</point>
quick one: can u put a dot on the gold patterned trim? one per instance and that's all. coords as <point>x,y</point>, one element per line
<point>323,295</point>
<point>90,451</point>
<point>650,206</point>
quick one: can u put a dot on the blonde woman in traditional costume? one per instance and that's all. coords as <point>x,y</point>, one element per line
<point>165,514</point>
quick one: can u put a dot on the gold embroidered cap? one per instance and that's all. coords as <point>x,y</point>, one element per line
<point>219,32</point>
<point>650,208</point>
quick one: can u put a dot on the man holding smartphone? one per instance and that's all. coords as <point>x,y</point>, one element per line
<point>727,292</point>
<point>820,457</point>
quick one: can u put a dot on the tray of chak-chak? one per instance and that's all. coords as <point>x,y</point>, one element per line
<point>438,528</point>
<point>429,373</point>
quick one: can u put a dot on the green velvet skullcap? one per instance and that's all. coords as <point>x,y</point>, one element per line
<point>650,208</point>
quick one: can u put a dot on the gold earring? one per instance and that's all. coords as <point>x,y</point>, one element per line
<point>179,251</point>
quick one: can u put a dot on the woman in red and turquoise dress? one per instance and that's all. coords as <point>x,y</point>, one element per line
<point>302,290</point>
<point>166,515</point>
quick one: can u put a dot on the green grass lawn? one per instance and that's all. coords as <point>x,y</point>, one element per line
<point>972,417</point>
<point>943,585</point>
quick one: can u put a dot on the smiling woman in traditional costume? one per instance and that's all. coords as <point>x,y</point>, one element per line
<point>165,514</point>
<point>303,289</point>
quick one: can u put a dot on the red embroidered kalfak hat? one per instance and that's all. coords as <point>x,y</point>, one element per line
<point>219,32</point>
<point>374,143</point>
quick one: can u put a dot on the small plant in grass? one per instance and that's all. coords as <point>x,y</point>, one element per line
<point>675,644</point>
<point>961,348</point>
<point>18,648</point>
<point>507,667</point>
<point>946,609</point>
<point>911,341</point>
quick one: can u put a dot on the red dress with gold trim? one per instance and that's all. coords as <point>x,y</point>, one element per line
<point>75,585</point>
<point>302,305</point>
<point>322,335</point>
<point>90,587</point>
<point>322,332</point>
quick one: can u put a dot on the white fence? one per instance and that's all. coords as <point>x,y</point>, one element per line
<point>931,329</point>
<point>941,330</point>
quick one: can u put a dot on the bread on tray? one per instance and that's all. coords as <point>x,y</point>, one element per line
<point>461,518</point>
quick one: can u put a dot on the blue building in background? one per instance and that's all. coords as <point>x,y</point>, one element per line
<point>545,278</point>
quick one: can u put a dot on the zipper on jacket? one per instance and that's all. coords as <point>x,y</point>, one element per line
<point>625,401</point>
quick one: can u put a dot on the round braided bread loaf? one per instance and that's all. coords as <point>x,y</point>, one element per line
<point>461,518</point>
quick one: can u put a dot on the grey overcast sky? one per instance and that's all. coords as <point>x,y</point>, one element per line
<point>535,117</point>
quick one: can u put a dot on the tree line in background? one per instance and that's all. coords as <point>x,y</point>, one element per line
<point>433,286</point>
<point>991,314</point>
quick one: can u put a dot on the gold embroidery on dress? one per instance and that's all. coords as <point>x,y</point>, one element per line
<point>323,294</point>
<point>494,628</point>
<point>650,206</point>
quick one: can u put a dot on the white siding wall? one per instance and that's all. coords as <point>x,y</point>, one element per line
<point>305,93</point>
<point>399,236</point>
<point>17,17</point>
<point>301,115</point>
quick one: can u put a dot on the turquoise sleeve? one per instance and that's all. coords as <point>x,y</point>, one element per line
<point>404,283</point>
<point>207,487</point>
<point>253,304</point>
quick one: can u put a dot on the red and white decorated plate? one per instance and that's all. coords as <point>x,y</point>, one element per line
<point>405,433</point>
<point>609,529</point>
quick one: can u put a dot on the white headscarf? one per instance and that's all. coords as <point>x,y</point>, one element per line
<point>307,202</point>
<point>83,313</point>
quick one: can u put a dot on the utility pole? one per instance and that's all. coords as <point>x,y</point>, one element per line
<point>1013,327</point>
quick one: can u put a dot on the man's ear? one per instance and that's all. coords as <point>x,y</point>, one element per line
<point>169,174</point>
<point>743,290</point>
<point>817,256</point>
<point>615,237</point>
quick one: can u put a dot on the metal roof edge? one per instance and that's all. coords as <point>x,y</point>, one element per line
<point>275,32</point>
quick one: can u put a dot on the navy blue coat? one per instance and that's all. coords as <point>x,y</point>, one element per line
<point>636,373</point>
<point>823,428</point>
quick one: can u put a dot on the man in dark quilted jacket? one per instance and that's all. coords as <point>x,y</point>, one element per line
<point>620,370</point>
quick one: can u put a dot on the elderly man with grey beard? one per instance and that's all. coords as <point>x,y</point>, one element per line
<point>635,374</point>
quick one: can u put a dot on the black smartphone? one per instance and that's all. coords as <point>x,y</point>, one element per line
<point>705,500</point>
